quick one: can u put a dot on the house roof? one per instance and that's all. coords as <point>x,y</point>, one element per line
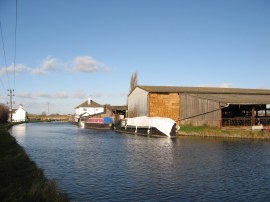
<point>223,95</point>
<point>204,90</point>
<point>124,107</point>
<point>235,98</point>
<point>91,104</point>
<point>20,107</point>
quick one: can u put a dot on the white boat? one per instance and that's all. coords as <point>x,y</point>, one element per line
<point>148,126</point>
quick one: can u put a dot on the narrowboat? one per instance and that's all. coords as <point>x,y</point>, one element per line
<point>105,123</point>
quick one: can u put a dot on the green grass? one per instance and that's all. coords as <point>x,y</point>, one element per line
<point>225,132</point>
<point>197,129</point>
<point>20,178</point>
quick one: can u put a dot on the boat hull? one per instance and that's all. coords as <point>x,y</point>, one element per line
<point>101,126</point>
<point>147,126</point>
<point>143,131</point>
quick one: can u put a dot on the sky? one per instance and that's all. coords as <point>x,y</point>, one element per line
<point>69,50</point>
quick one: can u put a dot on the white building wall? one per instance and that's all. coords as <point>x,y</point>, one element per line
<point>138,102</point>
<point>89,110</point>
<point>19,115</point>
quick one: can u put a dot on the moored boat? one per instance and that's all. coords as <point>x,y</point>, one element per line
<point>148,126</point>
<point>105,123</point>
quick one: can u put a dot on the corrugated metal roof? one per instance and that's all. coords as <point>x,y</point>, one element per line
<point>86,104</point>
<point>223,95</point>
<point>204,90</point>
<point>235,98</point>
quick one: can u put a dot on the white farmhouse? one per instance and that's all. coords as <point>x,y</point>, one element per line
<point>19,115</point>
<point>87,108</point>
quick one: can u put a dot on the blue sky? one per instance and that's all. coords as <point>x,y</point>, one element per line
<point>69,50</point>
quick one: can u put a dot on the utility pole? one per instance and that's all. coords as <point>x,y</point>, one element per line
<point>48,108</point>
<point>10,94</point>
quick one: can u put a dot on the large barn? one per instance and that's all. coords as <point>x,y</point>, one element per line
<point>219,107</point>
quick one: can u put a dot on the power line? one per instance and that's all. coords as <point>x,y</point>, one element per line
<point>15,55</point>
<point>2,84</point>
<point>5,59</point>
<point>3,44</point>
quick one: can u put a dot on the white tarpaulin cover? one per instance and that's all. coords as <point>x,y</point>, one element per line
<point>162,124</point>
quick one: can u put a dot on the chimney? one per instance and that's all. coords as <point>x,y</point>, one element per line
<point>89,101</point>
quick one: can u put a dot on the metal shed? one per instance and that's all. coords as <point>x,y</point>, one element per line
<point>202,105</point>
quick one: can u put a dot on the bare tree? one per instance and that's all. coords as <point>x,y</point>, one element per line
<point>133,81</point>
<point>4,113</point>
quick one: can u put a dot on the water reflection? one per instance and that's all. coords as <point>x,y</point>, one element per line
<point>106,166</point>
<point>20,131</point>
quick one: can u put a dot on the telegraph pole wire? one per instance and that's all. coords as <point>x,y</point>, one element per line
<point>15,55</point>
<point>5,59</point>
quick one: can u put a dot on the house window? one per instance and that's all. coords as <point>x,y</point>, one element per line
<point>84,109</point>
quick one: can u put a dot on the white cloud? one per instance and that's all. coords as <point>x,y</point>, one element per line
<point>84,64</point>
<point>49,64</point>
<point>39,71</point>
<point>222,85</point>
<point>97,95</point>
<point>43,95</point>
<point>61,95</point>
<point>80,94</point>
<point>25,95</point>
<point>57,95</point>
<point>19,68</point>
<point>37,102</point>
<point>88,64</point>
<point>263,87</point>
<point>226,85</point>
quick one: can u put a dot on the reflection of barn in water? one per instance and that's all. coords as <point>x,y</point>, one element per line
<point>220,107</point>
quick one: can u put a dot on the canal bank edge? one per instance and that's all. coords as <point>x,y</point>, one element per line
<point>206,131</point>
<point>20,178</point>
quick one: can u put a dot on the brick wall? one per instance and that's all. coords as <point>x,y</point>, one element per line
<point>164,105</point>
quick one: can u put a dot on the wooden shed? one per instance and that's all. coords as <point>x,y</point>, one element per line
<point>202,105</point>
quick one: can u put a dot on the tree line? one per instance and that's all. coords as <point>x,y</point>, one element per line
<point>4,113</point>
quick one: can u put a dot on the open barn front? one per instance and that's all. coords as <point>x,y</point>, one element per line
<point>237,115</point>
<point>202,106</point>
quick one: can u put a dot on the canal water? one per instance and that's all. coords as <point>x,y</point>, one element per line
<point>92,165</point>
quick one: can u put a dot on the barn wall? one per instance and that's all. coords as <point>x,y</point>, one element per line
<point>164,105</point>
<point>138,103</point>
<point>193,106</point>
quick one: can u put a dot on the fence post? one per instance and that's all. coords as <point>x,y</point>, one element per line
<point>253,117</point>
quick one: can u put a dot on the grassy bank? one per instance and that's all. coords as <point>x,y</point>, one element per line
<point>20,178</point>
<point>205,131</point>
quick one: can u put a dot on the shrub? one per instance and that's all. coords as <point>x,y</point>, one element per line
<point>4,112</point>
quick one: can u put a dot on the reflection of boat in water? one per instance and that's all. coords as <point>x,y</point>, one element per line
<point>148,126</point>
<point>81,124</point>
<point>99,123</point>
